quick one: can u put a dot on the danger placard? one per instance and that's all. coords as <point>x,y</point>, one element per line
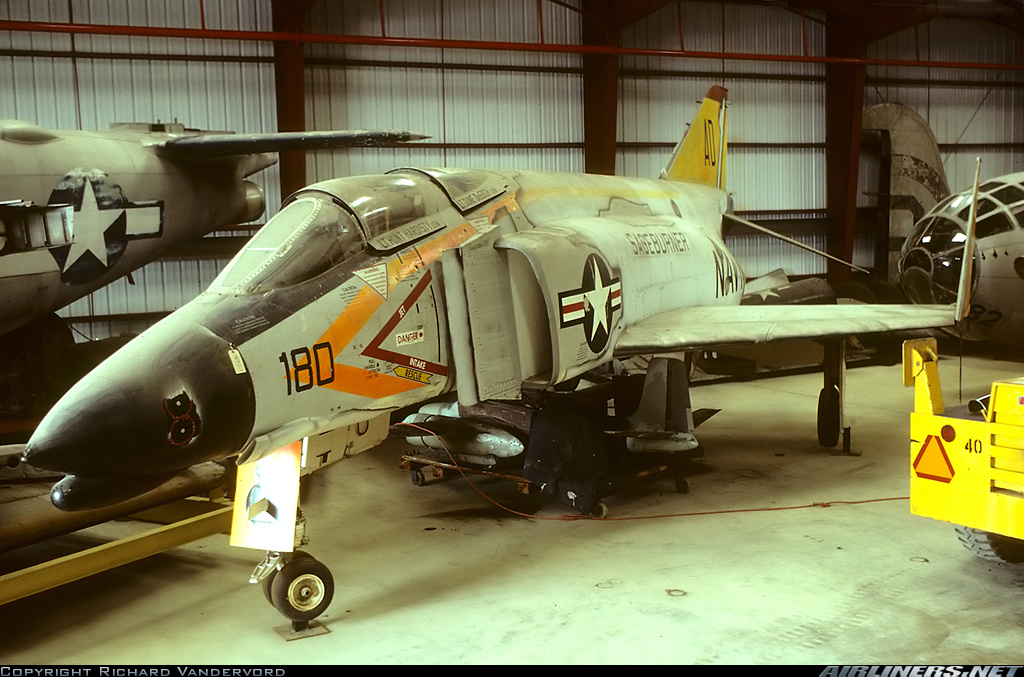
<point>407,337</point>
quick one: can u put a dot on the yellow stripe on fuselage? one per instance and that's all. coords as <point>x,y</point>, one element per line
<point>355,316</point>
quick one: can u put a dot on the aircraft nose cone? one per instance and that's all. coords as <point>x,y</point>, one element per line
<point>166,401</point>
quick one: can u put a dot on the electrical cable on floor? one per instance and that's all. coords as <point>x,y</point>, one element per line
<point>570,518</point>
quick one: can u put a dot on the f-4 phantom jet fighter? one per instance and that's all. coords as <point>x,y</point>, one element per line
<point>79,209</point>
<point>369,294</point>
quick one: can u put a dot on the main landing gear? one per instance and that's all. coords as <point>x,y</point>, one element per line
<point>831,418</point>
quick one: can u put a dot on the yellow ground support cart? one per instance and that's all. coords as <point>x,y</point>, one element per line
<point>967,464</point>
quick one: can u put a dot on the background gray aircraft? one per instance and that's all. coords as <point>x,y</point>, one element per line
<point>79,209</point>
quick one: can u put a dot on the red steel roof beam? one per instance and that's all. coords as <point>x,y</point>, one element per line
<point>319,38</point>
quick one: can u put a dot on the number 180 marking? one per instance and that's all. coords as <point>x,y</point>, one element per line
<point>305,364</point>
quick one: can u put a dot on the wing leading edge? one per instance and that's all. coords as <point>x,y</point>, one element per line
<point>220,145</point>
<point>712,326</point>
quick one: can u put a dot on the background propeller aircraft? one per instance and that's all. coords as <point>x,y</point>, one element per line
<point>79,209</point>
<point>931,249</point>
<point>369,294</point>
<point>932,257</point>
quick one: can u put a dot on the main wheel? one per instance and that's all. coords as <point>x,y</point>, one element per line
<point>302,589</point>
<point>828,417</point>
<point>991,547</point>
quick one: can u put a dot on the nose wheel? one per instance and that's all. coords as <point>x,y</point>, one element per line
<point>300,587</point>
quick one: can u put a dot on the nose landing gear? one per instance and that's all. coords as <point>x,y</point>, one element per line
<point>298,585</point>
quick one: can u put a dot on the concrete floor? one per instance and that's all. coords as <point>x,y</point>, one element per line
<point>438,575</point>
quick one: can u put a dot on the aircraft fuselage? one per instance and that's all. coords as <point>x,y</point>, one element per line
<point>367,294</point>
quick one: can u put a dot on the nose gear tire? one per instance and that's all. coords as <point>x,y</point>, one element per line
<point>302,589</point>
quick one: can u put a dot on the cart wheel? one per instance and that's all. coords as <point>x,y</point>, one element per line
<point>599,510</point>
<point>991,547</point>
<point>417,477</point>
<point>302,589</point>
<point>682,485</point>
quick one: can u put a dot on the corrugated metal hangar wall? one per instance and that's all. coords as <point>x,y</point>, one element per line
<point>504,106</point>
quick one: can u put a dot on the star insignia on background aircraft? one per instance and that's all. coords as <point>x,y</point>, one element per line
<point>104,222</point>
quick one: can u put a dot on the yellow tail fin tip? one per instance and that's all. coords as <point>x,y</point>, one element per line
<point>700,156</point>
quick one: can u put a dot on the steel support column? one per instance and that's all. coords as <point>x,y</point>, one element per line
<point>844,102</point>
<point>600,88</point>
<point>290,89</point>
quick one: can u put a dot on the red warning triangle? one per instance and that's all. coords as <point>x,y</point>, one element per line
<point>932,463</point>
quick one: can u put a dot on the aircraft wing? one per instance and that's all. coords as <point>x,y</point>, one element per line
<point>711,326</point>
<point>205,146</point>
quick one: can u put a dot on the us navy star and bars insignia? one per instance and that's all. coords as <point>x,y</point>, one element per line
<point>593,304</point>
<point>104,221</point>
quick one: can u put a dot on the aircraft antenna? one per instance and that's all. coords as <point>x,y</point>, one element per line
<point>963,294</point>
<point>960,373</point>
<point>795,243</point>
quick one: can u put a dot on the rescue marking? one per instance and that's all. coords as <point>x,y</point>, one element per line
<point>413,375</point>
<point>932,463</point>
<point>367,301</point>
<point>593,304</point>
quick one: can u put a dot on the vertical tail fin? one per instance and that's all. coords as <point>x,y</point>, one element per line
<point>699,156</point>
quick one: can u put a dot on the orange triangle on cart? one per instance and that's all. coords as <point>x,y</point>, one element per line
<point>932,463</point>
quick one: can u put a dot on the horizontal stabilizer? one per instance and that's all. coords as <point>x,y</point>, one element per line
<point>206,146</point>
<point>809,290</point>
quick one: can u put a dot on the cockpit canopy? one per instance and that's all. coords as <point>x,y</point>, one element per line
<point>931,258</point>
<point>327,223</point>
